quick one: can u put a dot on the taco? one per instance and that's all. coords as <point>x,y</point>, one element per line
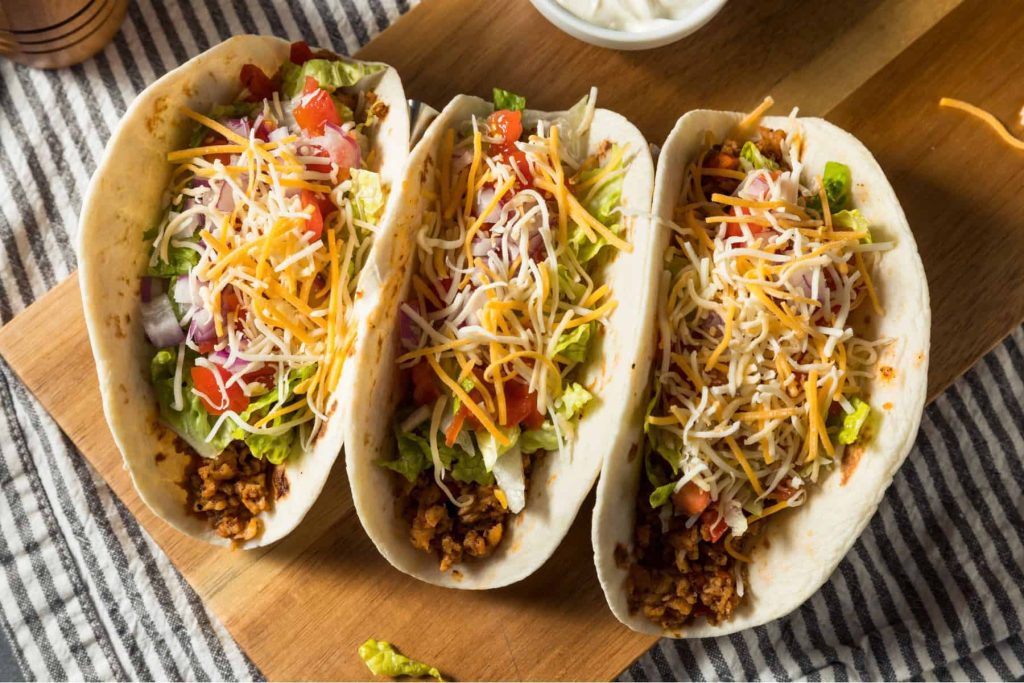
<point>788,381</point>
<point>510,350</point>
<point>222,246</point>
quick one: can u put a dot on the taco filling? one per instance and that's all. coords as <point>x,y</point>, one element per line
<point>505,303</point>
<point>760,366</point>
<point>272,209</point>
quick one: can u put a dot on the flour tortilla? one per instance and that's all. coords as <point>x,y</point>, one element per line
<point>126,197</point>
<point>613,374</point>
<point>801,547</point>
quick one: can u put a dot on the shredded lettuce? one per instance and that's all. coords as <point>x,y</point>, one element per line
<point>491,449</point>
<point>574,134</point>
<point>279,447</point>
<point>750,156</point>
<point>503,99</point>
<point>330,74</point>
<point>837,182</point>
<point>568,285</point>
<point>542,439</point>
<point>575,343</point>
<point>234,110</point>
<point>414,457</point>
<point>603,206</point>
<point>180,260</point>
<point>662,494</point>
<point>853,220</point>
<point>570,404</point>
<point>854,422</point>
<point>367,196</point>
<point>192,423</point>
<point>383,660</point>
<point>511,479</point>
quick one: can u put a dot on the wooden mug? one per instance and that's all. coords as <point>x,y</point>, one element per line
<point>48,34</point>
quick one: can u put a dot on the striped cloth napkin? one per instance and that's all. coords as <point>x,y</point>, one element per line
<point>934,588</point>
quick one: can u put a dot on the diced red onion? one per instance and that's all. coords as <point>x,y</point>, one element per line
<point>158,319</point>
<point>278,133</point>
<point>226,198</point>
<point>150,288</point>
<point>183,290</point>
<point>483,199</point>
<point>201,328</point>
<point>238,126</point>
<point>481,245</point>
<point>408,331</point>
<point>343,149</point>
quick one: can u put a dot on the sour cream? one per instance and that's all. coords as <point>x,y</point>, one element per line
<point>634,16</point>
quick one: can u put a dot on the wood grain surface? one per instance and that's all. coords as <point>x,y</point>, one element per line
<point>876,67</point>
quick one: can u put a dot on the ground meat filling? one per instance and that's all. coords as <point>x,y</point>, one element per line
<point>232,490</point>
<point>726,156</point>
<point>677,574</point>
<point>450,532</point>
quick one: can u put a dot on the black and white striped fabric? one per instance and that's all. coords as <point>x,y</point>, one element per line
<point>934,589</point>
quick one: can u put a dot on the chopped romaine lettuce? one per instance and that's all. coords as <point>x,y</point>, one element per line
<point>574,128</point>
<point>575,343</point>
<point>414,457</point>
<point>661,495</point>
<point>274,448</point>
<point>543,439</point>
<point>837,182</point>
<point>854,422</point>
<point>491,449</point>
<point>566,284</point>
<point>330,74</point>
<point>503,99</point>
<point>602,205</point>
<point>180,260</point>
<point>367,196</point>
<point>234,110</point>
<point>571,402</point>
<point>192,423</point>
<point>383,660</point>
<point>853,220</point>
<point>750,156</point>
<point>510,478</point>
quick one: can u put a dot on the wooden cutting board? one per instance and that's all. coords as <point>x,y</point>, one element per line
<point>301,607</point>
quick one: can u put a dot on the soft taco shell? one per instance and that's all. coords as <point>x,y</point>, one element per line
<point>125,197</point>
<point>799,548</point>
<point>614,374</point>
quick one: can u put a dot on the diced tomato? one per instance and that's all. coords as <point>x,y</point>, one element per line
<point>206,347</point>
<point>691,499</point>
<point>205,382</point>
<point>714,530</point>
<point>321,200</point>
<point>507,124</point>
<point>300,53</point>
<point>229,300</point>
<point>315,222</point>
<point>784,491</point>
<point>520,405</point>
<point>736,230</point>
<point>517,158</point>
<point>211,140</point>
<point>315,109</point>
<point>264,375</point>
<point>424,384</point>
<point>259,85</point>
<point>315,151</point>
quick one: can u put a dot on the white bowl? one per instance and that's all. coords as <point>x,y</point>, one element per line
<point>670,31</point>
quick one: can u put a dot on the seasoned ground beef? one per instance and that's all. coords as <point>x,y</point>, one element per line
<point>677,574</point>
<point>232,490</point>
<point>450,532</point>
<point>726,156</point>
